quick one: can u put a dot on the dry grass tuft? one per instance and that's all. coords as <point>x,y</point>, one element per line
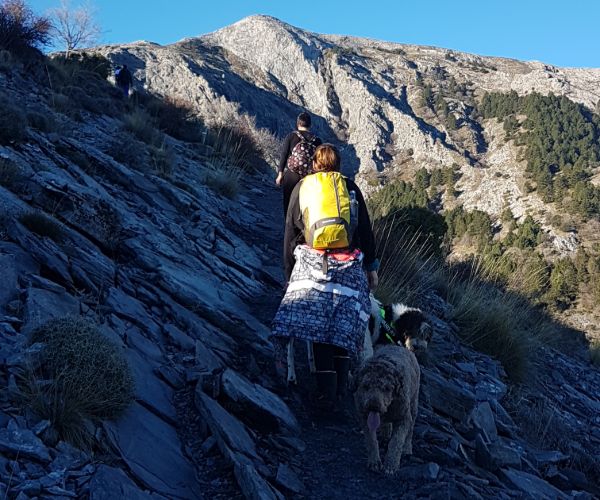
<point>81,376</point>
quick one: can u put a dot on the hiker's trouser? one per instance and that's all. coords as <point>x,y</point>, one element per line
<point>325,354</point>
<point>288,183</point>
<point>125,89</point>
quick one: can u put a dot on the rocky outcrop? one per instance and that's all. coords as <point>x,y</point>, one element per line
<point>185,282</point>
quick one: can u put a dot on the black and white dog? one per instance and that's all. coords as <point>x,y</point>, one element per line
<point>396,324</point>
<point>392,324</point>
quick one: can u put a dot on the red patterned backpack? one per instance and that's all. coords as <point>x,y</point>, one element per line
<point>300,161</point>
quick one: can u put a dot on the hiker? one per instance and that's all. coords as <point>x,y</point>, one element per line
<point>123,79</point>
<point>296,153</point>
<point>330,265</point>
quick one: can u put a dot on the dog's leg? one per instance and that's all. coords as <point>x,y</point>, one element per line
<point>386,432</point>
<point>373,457</point>
<point>395,446</point>
<point>291,365</point>
<point>311,357</point>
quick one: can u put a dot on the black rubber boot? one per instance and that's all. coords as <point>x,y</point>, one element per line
<point>327,384</point>
<point>342,368</point>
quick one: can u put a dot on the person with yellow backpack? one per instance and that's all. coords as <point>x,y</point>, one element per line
<point>330,266</point>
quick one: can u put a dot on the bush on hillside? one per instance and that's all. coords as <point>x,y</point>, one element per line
<point>140,124</point>
<point>492,322</point>
<point>21,31</point>
<point>235,145</point>
<point>42,225</point>
<point>85,61</point>
<point>176,117</point>
<point>163,160</point>
<point>223,177</point>
<point>81,376</point>
<point>13,122</point>
<point>410,266</point>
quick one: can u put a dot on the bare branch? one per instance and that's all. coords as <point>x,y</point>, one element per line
<point>74,28</point>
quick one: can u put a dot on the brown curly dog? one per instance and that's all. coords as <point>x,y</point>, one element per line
<point>386,390</point>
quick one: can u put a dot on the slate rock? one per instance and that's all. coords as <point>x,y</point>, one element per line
<point>109,483</point>
<point>429,471</point>
<point>252,484</point>
<point>127,307</point>
<point>532,485</point>
<point>177,337</point>
<point>482,418</point>
<point>24,443</point>
<point>9,284</point>
<point>447,397</point>
<point>42,305</point>
<point>150,389</point>
<point>505,456</point>
<point>206,360</point>
<point>227,429</point>
<point>153,453</point>
<point>287,478</point>
<point>254,398</point>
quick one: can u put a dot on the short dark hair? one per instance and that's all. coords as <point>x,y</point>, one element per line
<point>303,120</point>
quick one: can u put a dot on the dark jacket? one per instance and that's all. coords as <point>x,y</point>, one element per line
<point>288,145</point>
<point>362,239</point>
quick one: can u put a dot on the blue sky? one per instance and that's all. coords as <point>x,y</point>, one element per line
<point>564,33</point>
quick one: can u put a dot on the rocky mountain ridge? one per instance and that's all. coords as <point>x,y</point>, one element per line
<point>367,97</point>
<point>185,282</point>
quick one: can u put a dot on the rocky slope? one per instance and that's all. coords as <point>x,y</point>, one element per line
<point>185,282</point>
<point>367,97</point>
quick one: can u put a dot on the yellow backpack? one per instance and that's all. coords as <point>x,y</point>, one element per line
<point>329,211</point>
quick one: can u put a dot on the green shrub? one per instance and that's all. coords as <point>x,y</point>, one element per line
<point>492,322</point>
<point>82,375</point>
<point>410,266</point>
<point>42,225</point>
<point>13,123</point>
<point>140,124</point>
<point>9,172</point>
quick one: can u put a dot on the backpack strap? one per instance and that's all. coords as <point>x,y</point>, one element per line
<point>300,136</point>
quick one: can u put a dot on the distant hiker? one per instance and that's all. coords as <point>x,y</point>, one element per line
<point>330,264</point>
<point>123,79</point>
<point>296,154</point>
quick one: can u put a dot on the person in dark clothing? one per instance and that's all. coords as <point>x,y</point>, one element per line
<point>124,79</point>
<point>362,238</point>
<point>327,297</point>
<point>296,154</point>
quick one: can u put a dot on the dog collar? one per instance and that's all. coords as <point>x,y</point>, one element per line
<point>387,327</point>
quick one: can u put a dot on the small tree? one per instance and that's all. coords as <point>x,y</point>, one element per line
<point>74,28</point>
<point>21,31</point>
